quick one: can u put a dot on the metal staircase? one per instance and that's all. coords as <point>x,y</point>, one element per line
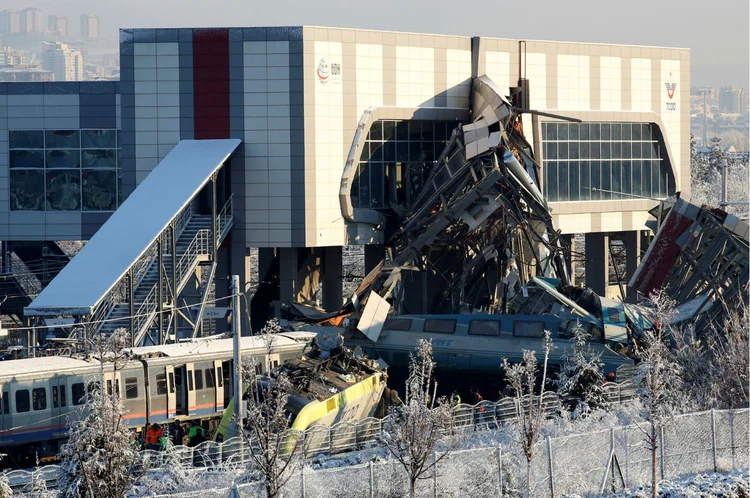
<point>155,281</point>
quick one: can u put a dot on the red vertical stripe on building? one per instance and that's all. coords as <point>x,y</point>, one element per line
<point>211,83</point>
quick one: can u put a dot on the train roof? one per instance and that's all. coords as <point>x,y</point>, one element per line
<point>218,346</point>
<point>13,368</point>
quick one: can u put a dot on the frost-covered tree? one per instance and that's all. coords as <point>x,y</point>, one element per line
<point>272,448</point>
<point>657,376</point>
<point>705,178</point>
<point>98,458</point>
<point>530,409</point>
<point>581,381</point>
<point>413,430</point>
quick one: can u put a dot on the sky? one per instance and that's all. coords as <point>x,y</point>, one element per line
<point>716,31</point>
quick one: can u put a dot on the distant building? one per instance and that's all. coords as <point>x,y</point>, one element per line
<point>10,57</point>
<point>10,22</point>
<point>64,62</point>
<point>31,21</point>
<point>733,100</point>
<point>25,75</point>
<point>58,25</point>
<point>89,26</point>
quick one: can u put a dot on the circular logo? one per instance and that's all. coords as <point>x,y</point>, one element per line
<point>323,71</point>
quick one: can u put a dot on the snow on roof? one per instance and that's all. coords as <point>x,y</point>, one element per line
<point>14,368</point>
<point>131,230</point>
<point>215,346</point>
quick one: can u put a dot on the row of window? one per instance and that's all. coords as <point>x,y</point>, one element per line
<point>63,139</point>
<point>597,131</point>
<point>601,150</point>
<point>64,170</point>
<point>476,327</point>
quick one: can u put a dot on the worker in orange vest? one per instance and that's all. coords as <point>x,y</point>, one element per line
<point>152,437</point>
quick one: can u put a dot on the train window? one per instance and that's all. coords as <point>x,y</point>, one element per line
<point>484,327</point>
<point>39,398</point>
<point>171,382</point>
<point>79,393</point>
<point>198,380</point>
<point>117,386</point>
<point>190,380</point>
<point>22,401</point>
<point>63,396</point>
<point>6,403</point>
<point>209,378</point>
<point>439,326</point>
<point>109,387</point>
<point>219,377</point>
<point>55,398</point>
<point>397,324</point>
<point>131,387</point>
<point>161,384</point>
<point>528,329</point>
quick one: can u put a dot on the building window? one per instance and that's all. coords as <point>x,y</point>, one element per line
<point>396,159</point>
<point>64,170</point>
<point>622,158</point>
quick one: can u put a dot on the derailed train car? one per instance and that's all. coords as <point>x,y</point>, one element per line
<point>158,384</point>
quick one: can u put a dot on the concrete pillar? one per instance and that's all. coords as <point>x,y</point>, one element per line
<point>632,243</point>
<point>570,241</point>
<point>374,254</point>
<point>287,274</point>
<point>332,278</point>
<point>597,262</point>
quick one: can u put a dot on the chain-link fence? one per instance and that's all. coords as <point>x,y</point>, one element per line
<point>583,464</point>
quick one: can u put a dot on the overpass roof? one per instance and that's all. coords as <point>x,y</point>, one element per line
<point>131,230</point>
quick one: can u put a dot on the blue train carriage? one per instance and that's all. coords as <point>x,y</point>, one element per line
<point>157,384</point>
<point>479,342</point>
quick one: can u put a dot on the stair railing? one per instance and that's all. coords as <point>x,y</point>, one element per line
<point>224,220</point>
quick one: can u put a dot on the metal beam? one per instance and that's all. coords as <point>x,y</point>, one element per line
<point>199,319</point>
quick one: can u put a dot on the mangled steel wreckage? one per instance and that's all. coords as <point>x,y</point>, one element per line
<point>476,254</point>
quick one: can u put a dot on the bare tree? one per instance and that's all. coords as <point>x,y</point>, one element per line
<point>414,430</point>
<point>530,412</point>
<point>97,460</point>
<point>657,376</point>
<point>5,490</point>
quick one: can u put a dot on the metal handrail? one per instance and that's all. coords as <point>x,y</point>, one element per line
<point>224,219</point>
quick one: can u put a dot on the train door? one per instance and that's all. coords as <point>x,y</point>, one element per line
<point>112,382</point>
<point>181,388</point>
<point>171,393</point>
<point>4,414</point>
<point>190,372</point>
<point>219,385</point>
<point>59,404</point>
<point>226,373</point>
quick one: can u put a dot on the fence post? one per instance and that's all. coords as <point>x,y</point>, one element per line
<point>627,458</point>
<point>661,450</point>
<point>434,474</point>
<point>713,438</point>
<point>302,480</point>
<point>372,480</point>
<point>549,462</point>
<point>499,455</point>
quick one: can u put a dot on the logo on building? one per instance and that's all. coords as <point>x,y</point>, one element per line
<point>671,87</point>
<point>323,71</point>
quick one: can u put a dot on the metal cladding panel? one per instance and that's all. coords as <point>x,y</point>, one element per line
<point>132,229</point>
<point>211,83</point>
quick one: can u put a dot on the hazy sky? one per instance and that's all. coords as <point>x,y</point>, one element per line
<point>715,31</point>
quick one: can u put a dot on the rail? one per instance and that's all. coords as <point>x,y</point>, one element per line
<point>224,220</point>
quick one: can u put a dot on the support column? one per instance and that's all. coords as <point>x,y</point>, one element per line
<point>374,254</point>
<point>632,243</point>
<point>222,285</point>
<point>645,237</point>
<point>597,262</point>
<point>287,274</point>
<point>332,278</point>
<point>570,241</point>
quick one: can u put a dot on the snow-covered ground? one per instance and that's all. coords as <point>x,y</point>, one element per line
<point>732,485</point>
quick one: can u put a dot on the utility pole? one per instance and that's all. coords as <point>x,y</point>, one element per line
<point>705,91</point>
<point>236,334</point>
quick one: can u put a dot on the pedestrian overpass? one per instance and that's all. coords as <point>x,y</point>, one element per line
<point>131,273</point>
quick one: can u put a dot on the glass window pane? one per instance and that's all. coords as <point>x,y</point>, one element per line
<point>646,178</point>
<point>616,179</point>
<point>29,139</point>
<point>484,327</point>
<point>376,151</point>
<point>131,388</point>
<point>402,130</point>
<point>22,401</point>
<point>27,190</point>
<point>573,181</point>
<point>645,132</point>
<point>376,131</point>
<point>439,325</point>
<point>376,185</point>
<point>550,150</point>
<point>427,135</point>
<point>627,173</point>
<point>98,139</point>
<point>26,159</point>
<point>415,151</point>
<point>636,176</point>
<point>562,131</point>
<point>573,150</point>
<point>606,128</point>
<point>389,128</point>
<point>627,149</point>
<point>39,398</point>
<point>64,190</point>
<point>100,190</point>
<point>606,150</point>
<point>667,181</point>
<point>616,135</point>
<point>655,179</point>
<point>415,131</point>
<point>63,159</point>
<point>595,150</point>
<point>636,131</point>
<point>562,150</point>
<point>551,181</point>
<point>441,131</point>
<point>626,135</point>
<point>573,131</point>
<point>596,181</point>
<point>63,139</point>
<point>616,150</point>
<point>365,154</point>
<point>364,186</point>
<point>595,131</point>
<point>583,131</point>
<point>585,185</point>
<point>606,179</point>
<point>584,150</point>
<point>562,181</point>
<point>99,158</point>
